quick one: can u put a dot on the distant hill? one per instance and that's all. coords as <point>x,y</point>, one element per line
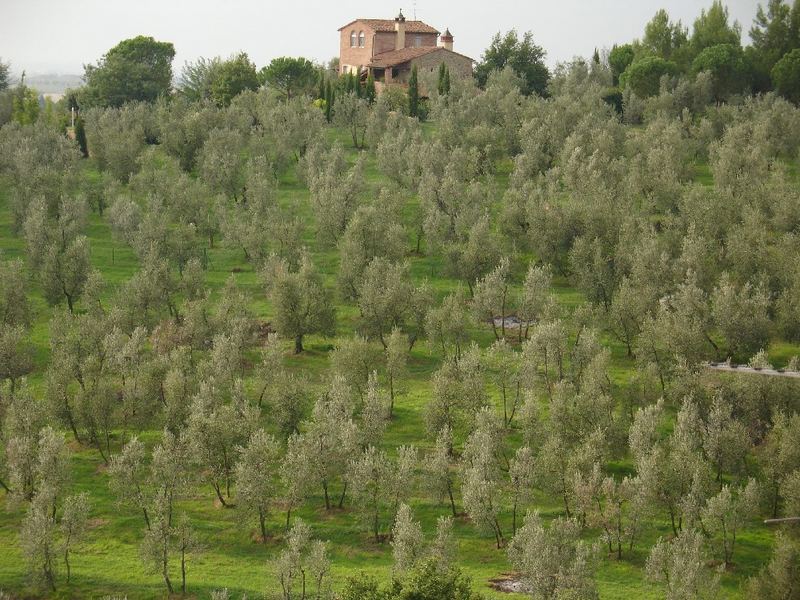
<point>52,83</point>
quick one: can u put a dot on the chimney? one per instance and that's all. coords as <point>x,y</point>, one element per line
<point>446,40</point>
<point>400,28</point>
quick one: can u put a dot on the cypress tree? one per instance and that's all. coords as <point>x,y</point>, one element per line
<point>413,93</point>
<point>369,90</point>
<point>80,137</point>
<point>329,99</point>
<point>446,81</point>
<point>442,70</point>
<point>359,89</point>
<point>321,91</point>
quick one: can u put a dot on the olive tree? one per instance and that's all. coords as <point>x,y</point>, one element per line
<point>255,477</point>
<point>553,560</point>
<point>301,302</point>
<point>680,566</point>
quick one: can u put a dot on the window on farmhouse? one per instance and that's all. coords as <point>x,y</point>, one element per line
<point>352,39</point>
<point>361,39</point>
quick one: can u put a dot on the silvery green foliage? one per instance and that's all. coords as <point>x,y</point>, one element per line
<point>300,300</point>
<point>396,358</point>
<point>374,413</point>
<point>741,315</point>
<point>779,457</point>
<point>553,561</point>
<point>444,547</point>
<point>335,192</point>
<point>387,298</point>
<point>352,114</point>
<point>287,395</point>
<point>407,540</point>
<point>302,565</point>
<point>215,429</point>
<point>42,164</point>
<point>374,231</point>
<point>327,442</point>
<point>672,474</point>
<point>401,151</point>
<point>615,507</point>
<point>458,392</point>
<point>447,325</point>
<point>15,309</point>
<point>481,476</point>
<point>220,164</point>
<point>492,296</point>
<point>16,354</point>
<point>24,418</point>
<point>727,513</point>
<point>117,136</point>
<point>44,535</point>
<point>38,541</point>
<point>522,480</point>
<point>778,578</point>
<point>726,440</point>
<point>184,127</point>
<point>380,485</point>
<point>679,565</point>
<point>790,490</point>
<point>437,475</point>
<point>353,361</point>
<point>57,250</point>
<point>73,524</point>
<point>658,163</point>
<point>255,477</point>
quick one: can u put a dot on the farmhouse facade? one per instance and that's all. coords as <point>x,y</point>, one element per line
<point>390,49</point>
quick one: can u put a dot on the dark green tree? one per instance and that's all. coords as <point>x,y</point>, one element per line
<point>290,76</point>
<point>522,55</point>
<point>786,76</point>
<point>644,75</point>
<point>444,80</point>
<point>330,99</point>
<point>620,59</point>
<point>80,136</point>
<point>413,94</point>
<point>369,88</point>
<point>726,64</point>
<point>666,39</point>
<point>136,69</point>
<point>321,85</point>
<point>774,33</point>
<point>5,70</point>
<point>231,78</point>
<point>712,28</point>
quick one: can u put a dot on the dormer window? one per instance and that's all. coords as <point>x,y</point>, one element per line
<point>361,39</point>
<point>417,41</point>
<point>353,39</point>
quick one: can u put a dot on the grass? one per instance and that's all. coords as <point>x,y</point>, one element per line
<point>107,561</point>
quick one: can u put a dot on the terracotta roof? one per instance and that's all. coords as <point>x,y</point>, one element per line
<point>383,25</point>
<point>398,57</point>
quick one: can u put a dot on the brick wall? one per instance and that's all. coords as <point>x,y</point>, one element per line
<point>355,57</point>
<point>384,41</point>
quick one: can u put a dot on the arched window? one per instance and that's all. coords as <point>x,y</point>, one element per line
<point>353,39</point>
<point>361,39</point>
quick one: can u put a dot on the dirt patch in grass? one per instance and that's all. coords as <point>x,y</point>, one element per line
<point>509,583</point>
<point>96,523</point>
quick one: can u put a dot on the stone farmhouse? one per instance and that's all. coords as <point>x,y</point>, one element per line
<point>389,49</point>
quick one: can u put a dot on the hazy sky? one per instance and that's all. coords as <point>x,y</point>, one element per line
<point>62,35</point>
